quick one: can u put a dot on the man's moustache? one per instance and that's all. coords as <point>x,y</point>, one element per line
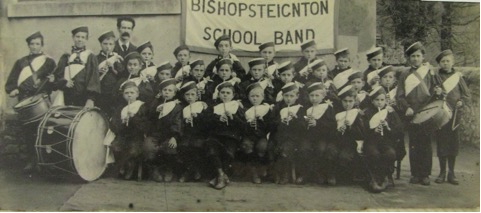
<point>125,34</point>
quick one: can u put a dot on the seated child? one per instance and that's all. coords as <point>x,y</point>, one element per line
<point>164,72</point>
<point>133,63</point>
<point>258,123</point>
<point>321,135</point>
<point>205,86</point>
<point>195,132</point>
<point>286,75</point>
<point>224,74</point>
<point>362,98</point>
<point>320,73</point>
<point>257,72</point>
<point>224,46</point>
<point>129,123</point>
<point>385,128</point>
<point>160,145</point>
<point>146,50</point>
<point>289,127</point>
<point>225,125</point>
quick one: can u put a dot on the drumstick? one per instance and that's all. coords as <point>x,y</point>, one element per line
<point>225,111</point>
<point>453,127</point>
<point>382,128</point>
<point>161,111</point>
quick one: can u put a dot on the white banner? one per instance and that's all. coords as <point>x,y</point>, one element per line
<point>250,23</point>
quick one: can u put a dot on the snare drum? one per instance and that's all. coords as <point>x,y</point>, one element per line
<point>70,139</point>
<point>33,108</point>
<point>433,116</point>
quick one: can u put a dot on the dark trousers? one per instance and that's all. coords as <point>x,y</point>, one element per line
<point>380,157</point>
<point>447,140</point>
<point>420,151</point>
<point>221,151</point>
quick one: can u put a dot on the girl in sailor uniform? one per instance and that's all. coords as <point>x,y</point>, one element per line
<point>133,63</point>
<point>160,146</point>
<point>385,129</point>
<point>224,74</point>
<point>130,123</point>
<point>351,133</point>
<point>258,74</point>
<point>321,135</point>
<point>224,46</point>
<point>268,52</point>
<point>289,130</point>
<point>205,86</point>
<point>192,150</point>
<point>77,73</point>
<point>258,117</point>
<point>457,98</point>
<point>226,126</point>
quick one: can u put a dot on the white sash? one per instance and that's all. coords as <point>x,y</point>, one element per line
<point>392,93</point>
<point>361,96</point>
<point>293,109</point>
<point>132,108</point>
<point>377,118</point>
<point>371,75</point>
<point>349,115</point>
<point>450,83</point>
<point>317,111</point>
<point>230,107</point>
<point>195,107</point>
<point>257,112</point>
<point>73,69</point>
<point>412,81</point>
<point>266,83</point>
<point>342,78</point>
<point>26,72</point>
<point>271,70</point>
<point>181,71</point>
<point>167,108</point>
<point>111,60</point>
<point>148,71</point>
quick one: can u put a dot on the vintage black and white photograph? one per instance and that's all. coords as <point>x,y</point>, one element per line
<point>239,105</point>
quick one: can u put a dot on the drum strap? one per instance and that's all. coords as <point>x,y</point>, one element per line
<point>421,82</point>
<point>34,74</point>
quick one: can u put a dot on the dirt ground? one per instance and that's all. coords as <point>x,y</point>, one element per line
<point>24,192</point>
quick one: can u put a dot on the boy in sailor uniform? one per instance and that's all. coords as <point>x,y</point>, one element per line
<point>257,71</point>
<point>289,127</point>
<point>385,129</point>
<point>205,86</point>
<point>165,133</point>
<point>24,80</point>
<point>146,50</point>
<point>362,98</point>
<point>192,149</point>
<point>164,72</point>
<point>417,87</point>
<point>375,58</point>
<point>133,63</point>
<point>130,123</point>
<point>258,119</point>
<point>225,74</point>
<point>110,69</point>
<point>286,75</point>
<point>320,73</point>
<point>457,98</point>
<point>351,133</point>
<point>343,61</point>
<point>181,68</point>
<point>225,124</point>
<point>321,134</point>
<point>309,52</point>
<point>78,72</point>
<point>224,46</point>
<point>268,52</point>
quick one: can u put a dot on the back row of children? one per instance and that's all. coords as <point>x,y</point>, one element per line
<point>303,120</point>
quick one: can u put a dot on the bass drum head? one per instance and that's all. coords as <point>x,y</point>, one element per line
<point>88,150</point>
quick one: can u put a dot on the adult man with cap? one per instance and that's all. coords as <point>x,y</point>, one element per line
<point>29,75</point>
<point>110,70</point>
<point>125,26</point>
<point>417,87</point>
<point>78,72</point>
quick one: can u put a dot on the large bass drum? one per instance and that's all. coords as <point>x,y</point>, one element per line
<point>70,139</point>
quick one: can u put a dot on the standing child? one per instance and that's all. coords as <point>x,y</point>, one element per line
<point>268,52</point>
<point>289,127</point>
<point>375,59</point>
<point>110,68</point>
<point>181,68</point>
<point>350,130</point>
<point>205,86</point>
<point>225,124</point>
<point>457,97</point>
<point>130,123</point>
<point>286,75</point>
<point>161,142</point>
<point>224,46</point>
<point>164,72</point>
<point>257,73</point>
<point>195,132</point>
<point>254,140</point>
<point>343,61</point>
<point>320,73</point>
<point>309,54</point>
<point>362,98</point>
<point>224,74</point>
<point>321,134</point>
<point>385,128</point>
<point>133,63</point>
<point>416,88</point>
<point>146,50</point>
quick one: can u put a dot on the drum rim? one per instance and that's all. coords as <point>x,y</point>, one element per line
<point>42,96</point>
